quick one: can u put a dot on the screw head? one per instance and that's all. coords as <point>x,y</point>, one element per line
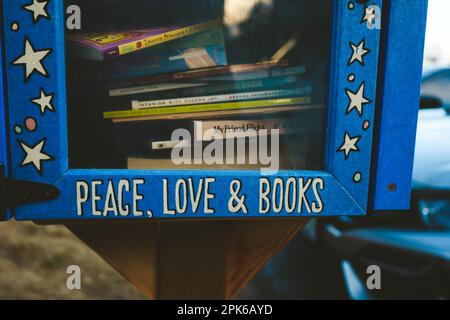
<point>392,187</point>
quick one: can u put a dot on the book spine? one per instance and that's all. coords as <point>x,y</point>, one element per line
<point>287,71</point>
<point>263,111</point>
<point>212,130</point>
<point>239,86</point>
<point>202,88</point>
<point>200,73</point>
<point>151,88</point>
<point>207,107</point>
<point>166,37</point>
<point>258,74</point>
<point>136,105</point>
<point>211,37</point>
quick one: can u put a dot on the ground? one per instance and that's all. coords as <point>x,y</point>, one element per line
<point>34,259</point>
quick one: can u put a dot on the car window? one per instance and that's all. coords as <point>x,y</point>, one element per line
<point>438,86</point>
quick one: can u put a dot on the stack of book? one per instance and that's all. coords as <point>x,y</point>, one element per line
<point>180,76</point>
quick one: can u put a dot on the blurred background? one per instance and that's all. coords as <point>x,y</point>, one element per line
<point>328,259</point>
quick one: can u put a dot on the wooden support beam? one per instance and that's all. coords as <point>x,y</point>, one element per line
<point>188,259</point>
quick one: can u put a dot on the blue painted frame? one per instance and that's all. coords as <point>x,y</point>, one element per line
<point>3,124</point>
<point>342,189</point>
<point>400,87</point>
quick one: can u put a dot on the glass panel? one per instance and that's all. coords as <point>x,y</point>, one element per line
<point>168,84</point>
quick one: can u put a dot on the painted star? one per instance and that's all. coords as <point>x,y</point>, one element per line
<point>38,9</point>
<point>32,60</point>
<point>349,145</point>
<point>44,102</point>
<point>359,51</point>
<point>357,100</point>
<point>35,155</point>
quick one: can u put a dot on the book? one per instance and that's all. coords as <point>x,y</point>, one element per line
<point>203,88</point>
<point>152,138</point>
<point>198,108</point>
<point>196,74</point>
<point>202,50</point>
<point>293,155</point>
<point>153,88</point>
<point>137,163</point>
<point>259,74</point>
<point>205,131</point>
<point>230,129</point>
<point>245,96</point>
<point>211,37</point>
<point>235,87</point>
<point>168,61</point>
<point>108,45</point>
<point>269,111</point>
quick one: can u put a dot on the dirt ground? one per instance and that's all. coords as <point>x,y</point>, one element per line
<point>34,260</point>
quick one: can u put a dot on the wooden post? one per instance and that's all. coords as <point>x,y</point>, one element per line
<point>188,259</point>
<point>192,260</point>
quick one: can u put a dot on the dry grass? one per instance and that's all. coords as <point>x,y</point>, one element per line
<point>34,259</point>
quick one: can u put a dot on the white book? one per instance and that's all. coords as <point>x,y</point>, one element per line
<point>136,105</point>
<point>204,131</point>
<point>213,130</point>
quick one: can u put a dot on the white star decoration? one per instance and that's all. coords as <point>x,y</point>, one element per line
<point>357,100</point>
<point>349,145</point>
<point>32,60</point>
<point>359,51</point>
<point>44,102</point>
<point>38,9</point>
<point>35,155</point>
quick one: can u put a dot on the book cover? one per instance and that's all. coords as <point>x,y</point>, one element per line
<point>169,61</point>
<point>104,46</point>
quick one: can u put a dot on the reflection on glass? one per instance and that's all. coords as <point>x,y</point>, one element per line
<point>198,84</point>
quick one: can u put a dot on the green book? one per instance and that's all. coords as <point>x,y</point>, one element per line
<point>207,107</point>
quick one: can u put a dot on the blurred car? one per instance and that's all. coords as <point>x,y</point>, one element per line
<point>330,259</point>
<point>413,248</point>
<point>431,178</point>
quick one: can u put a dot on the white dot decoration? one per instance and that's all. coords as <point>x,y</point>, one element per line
<point>357,177</point>
<point>15,26</point>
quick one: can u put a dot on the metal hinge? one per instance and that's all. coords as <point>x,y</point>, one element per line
<point>15,192</point>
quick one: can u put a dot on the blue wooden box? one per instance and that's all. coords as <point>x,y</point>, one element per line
<point>373,99</point>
